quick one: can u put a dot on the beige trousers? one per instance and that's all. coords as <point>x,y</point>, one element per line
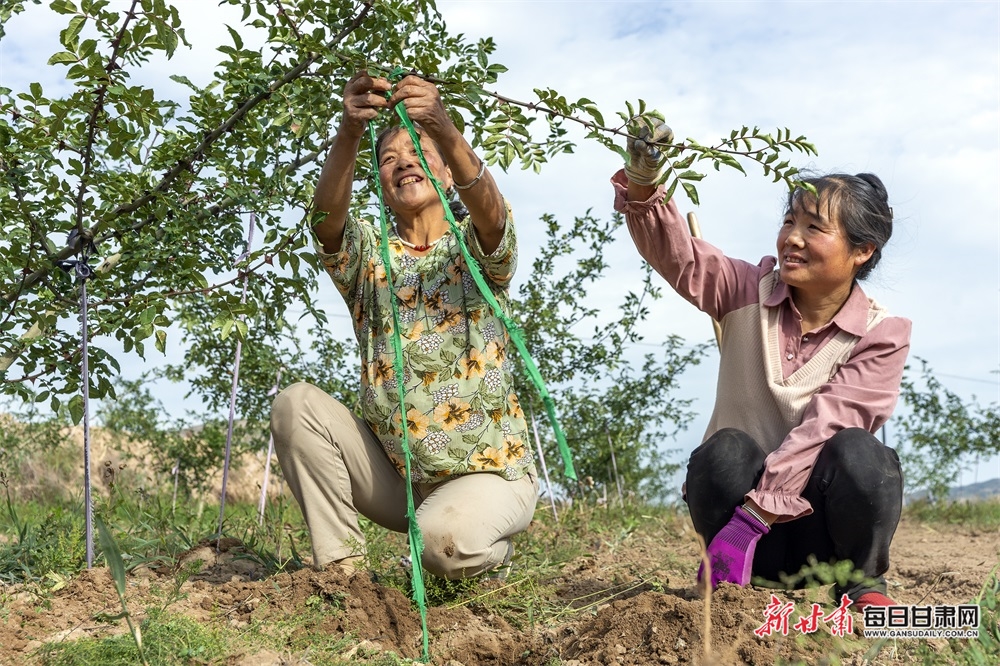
<point>336,469</point>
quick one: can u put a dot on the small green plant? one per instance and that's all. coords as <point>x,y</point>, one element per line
<point>171,640</point>
<point>980,515</point>
<point>981,651</point>
<point>815,574</point>
<point>114,559</point>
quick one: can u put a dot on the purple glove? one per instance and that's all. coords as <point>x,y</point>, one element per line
<point>731,551</point>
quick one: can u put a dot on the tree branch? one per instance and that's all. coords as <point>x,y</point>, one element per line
<point>187,162</point>
<point>101,92</point>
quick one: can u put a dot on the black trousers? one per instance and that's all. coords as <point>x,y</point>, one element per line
<point>856,492</point>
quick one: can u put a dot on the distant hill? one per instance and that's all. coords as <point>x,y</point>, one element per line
<point>981,490</point>
<point>974,491</point>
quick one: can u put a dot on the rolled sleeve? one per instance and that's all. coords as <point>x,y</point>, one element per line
<point>344,266</point>
<point>499,265</point>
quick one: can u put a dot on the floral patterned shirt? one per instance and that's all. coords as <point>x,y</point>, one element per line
<point>461,411</point>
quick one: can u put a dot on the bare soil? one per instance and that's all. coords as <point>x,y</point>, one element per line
<point>628,602</point>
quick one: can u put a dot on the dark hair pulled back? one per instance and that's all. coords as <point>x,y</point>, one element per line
<point>860,203</point>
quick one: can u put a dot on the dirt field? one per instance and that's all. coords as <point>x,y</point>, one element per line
<point>630,602</point>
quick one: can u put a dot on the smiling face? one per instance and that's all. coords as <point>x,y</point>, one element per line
<point>405,187</point>
<point>814,254</point>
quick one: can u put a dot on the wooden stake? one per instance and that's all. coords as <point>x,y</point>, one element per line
<point>696,232</point>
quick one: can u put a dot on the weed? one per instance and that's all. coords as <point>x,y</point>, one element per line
<point>114,559</point>
<point>980,651</point>
<point>169,640</point>
<point>980,515</point>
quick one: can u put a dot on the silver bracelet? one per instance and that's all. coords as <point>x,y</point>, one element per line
<point>482,170</point>
<point>755,514</point>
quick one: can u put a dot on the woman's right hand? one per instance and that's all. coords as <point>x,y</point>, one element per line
<point>646,160</point>
<point>364,97</point>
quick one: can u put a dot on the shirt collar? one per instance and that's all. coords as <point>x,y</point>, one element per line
<point>852,316</point>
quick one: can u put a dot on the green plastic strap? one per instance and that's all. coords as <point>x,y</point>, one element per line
<point>509,324</point>
<point>416,538</point>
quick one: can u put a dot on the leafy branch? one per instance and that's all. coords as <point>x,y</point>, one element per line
<point>185,163</point>
<point>506,138</point>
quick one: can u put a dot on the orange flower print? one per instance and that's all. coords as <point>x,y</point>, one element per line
<point>514,448</point>
<point>382,371</point>
<point>473,364</point>
<point>408,297</point>
<point>416,423</point>
<point>399,464</point>
<point>515,407</point>
<point>338,263</point>
<point>496,352</point>
<point>450,317</point>
<point>488,458</point>
<point>415,331</point>
<point>433,302</point>
<point>453,413</point>
<point>378,271</point>
<point>454,272</point>
<point>427,377</point>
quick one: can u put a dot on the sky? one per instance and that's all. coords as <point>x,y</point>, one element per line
<point>909,91</point>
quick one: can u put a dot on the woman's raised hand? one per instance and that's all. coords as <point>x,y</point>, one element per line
<point>645,165</point>
<point>364,97</point>
<point>423,105</point>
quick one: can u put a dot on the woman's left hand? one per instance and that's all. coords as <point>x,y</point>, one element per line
<point>423,105</point>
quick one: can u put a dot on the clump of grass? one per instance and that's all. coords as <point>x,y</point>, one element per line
<point>981,514</point>
<point>42,541</point>
<point>169,640</point>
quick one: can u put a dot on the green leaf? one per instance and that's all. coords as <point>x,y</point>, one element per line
<point>62,56</point>
<point>76,408</point>
<point>63,7</point>
<point>71,35</point>
<point>161,341</point>
<point>112,555</point>
<point>692,192</point>
<point>237,40</point>
<point>670,190</point>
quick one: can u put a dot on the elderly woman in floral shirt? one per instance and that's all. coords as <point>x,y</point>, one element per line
<point>474,480</point>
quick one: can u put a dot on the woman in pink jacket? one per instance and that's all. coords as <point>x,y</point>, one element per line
<point>789,468</point>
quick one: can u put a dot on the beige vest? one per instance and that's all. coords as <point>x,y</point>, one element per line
<point>752,395</point>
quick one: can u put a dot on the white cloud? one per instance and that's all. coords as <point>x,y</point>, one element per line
<point>907,90</point>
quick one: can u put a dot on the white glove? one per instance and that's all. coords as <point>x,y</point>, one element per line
<point>645,163</point>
